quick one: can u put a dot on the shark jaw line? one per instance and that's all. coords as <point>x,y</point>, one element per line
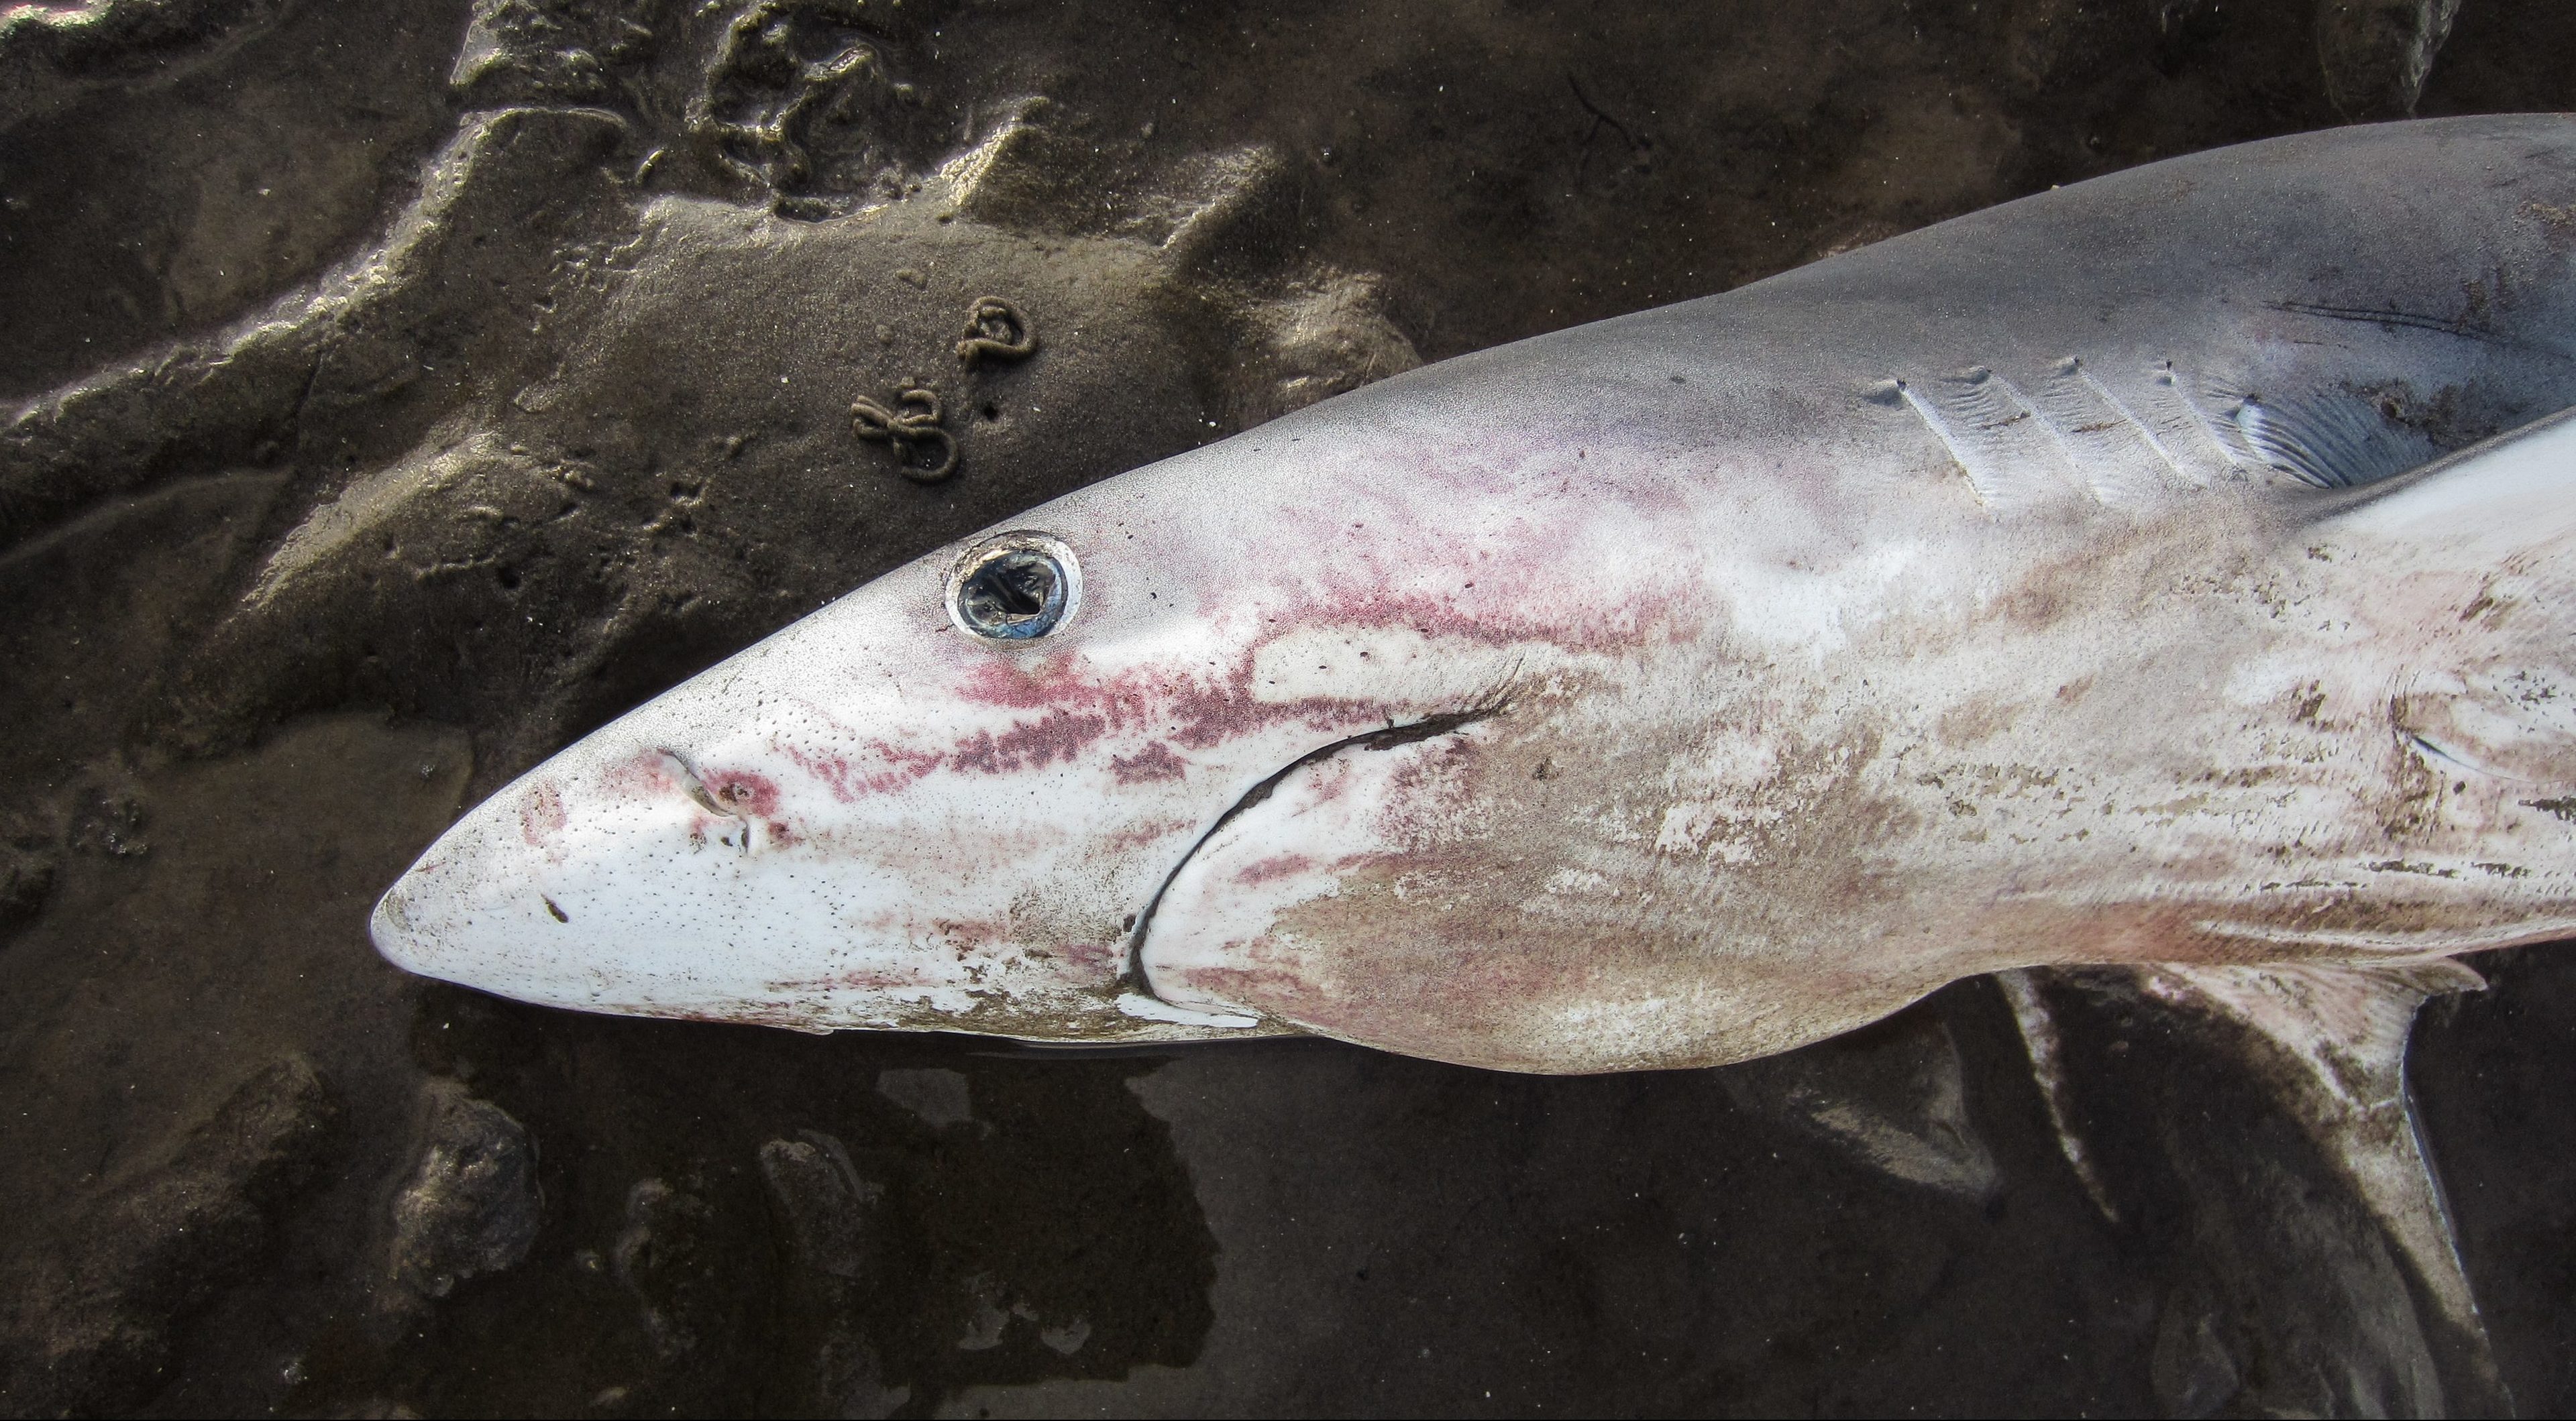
<point>1133,976</point>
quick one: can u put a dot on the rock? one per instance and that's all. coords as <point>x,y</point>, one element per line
<point>2377,53</point>
<point>1891,1097</point>
<point>2306,1279</point>
<point>939,1097</point>
<point>803,98</point>
<point>546,51</point>
<point>362,361</point>
<point>471,1205</point>
<point>669,1257</point>
<point>2194,1367</point>
<point>26,878</point>
<point>830,1217</point>
<point>90,1312</point>
<point>50,55</point>
<point>828,1210</point>
<point>1329,334</point>
<point>110,819</point>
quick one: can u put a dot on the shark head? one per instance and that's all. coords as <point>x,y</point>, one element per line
<point>1334,727</point>
<point>954,798</point>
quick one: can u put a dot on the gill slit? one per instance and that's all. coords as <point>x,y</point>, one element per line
<point>1132,976</point>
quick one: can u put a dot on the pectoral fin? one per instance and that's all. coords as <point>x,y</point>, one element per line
<point>2327,1047</point>
<point>2342,1031</point>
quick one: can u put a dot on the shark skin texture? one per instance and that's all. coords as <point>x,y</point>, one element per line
<point>2080,582</point>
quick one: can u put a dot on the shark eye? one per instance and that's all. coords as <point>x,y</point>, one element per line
<point>1016,587</point>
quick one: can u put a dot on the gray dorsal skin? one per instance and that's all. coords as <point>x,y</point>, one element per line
<point>2382,295</point>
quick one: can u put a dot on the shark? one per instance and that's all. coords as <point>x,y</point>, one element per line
<point>2173,573</point>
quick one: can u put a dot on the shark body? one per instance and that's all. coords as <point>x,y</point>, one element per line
<point>2092,580</point>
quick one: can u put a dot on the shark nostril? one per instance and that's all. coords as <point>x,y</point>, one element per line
<point>1017,587</point>
<point>696,788</point>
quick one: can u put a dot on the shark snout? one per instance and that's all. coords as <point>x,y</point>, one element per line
<point>668,877</point>
<point>653,879</point>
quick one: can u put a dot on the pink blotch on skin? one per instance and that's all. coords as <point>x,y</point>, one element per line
<point>645,774</point>
<point>1029,744</point>
<point>1091,954</point>
<point>748,795</point>
<point>1155,762</point>
<point>1276,866</point>
<point>848,781</point>
<point>541,814</point>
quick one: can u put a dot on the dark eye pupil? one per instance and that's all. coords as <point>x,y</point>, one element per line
<point>1020,589</point>
<point>1017,595</point>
